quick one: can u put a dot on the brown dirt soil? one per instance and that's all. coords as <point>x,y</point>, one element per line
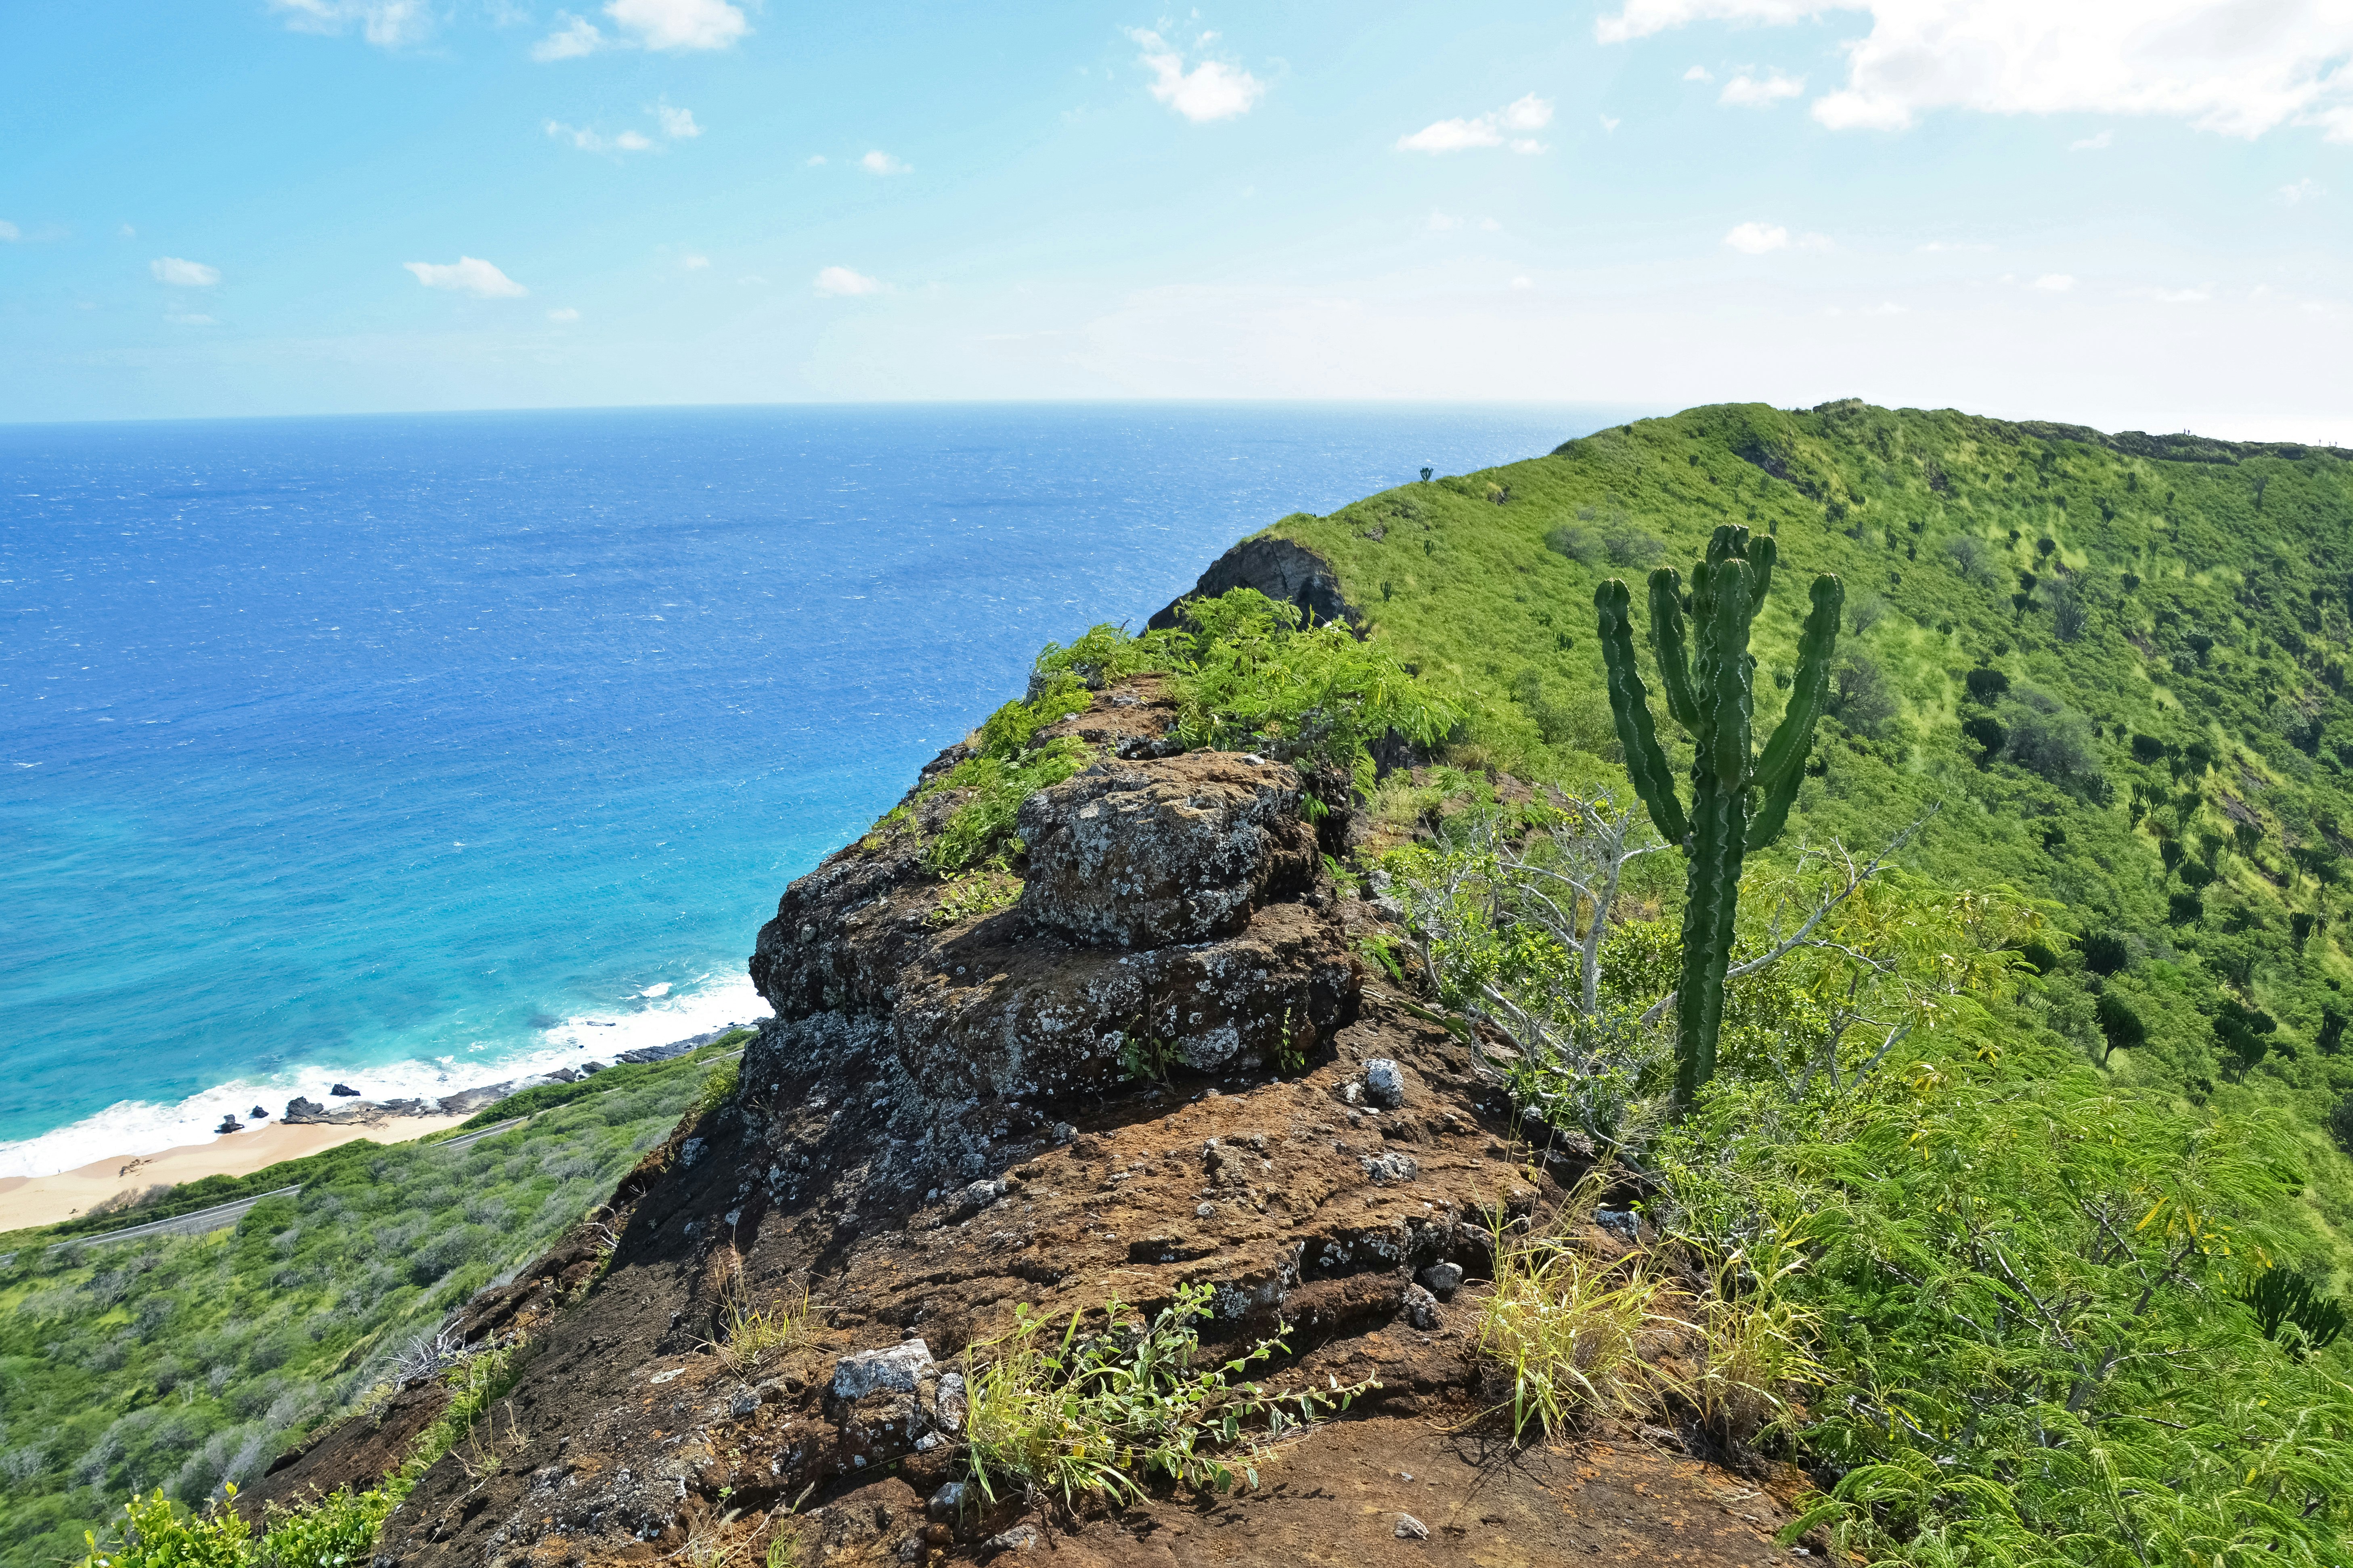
<point>857,1169</point>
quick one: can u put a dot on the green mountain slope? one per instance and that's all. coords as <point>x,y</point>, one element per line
<point>2163,627</point>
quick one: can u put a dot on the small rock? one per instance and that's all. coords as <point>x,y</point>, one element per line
<point>259,1115</point>
<point>1204,1210</point>
<point>1020,1538</point>
<point>1384,1083</point>
<point>912,1549</point>
<point>1619,1223</point>
<point>744,1404</point>
<point>1389,1167</point>
<point>1063,1132</point>
<point>298,1108</point>
<point>1443,1279</point>
<point>1411,1529</point>
<point>948,1499</point>
<point>690,1151</point>
<point>950,1402</point>
<point>1420,1308</point>
<point>345,1090</point>
<point>868,1372</point>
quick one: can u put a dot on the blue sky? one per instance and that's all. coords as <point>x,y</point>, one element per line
<point>2126,214</point>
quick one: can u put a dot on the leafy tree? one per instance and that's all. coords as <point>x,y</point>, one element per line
<point>2120,1025</point>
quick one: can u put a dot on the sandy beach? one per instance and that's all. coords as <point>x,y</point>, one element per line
<point>45,1200</point>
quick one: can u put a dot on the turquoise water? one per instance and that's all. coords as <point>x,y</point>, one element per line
<point>415,751</point>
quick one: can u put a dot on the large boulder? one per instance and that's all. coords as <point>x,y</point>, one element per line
<point>1153,854</point>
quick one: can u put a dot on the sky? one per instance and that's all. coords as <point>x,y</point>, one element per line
<point>2130,216</point>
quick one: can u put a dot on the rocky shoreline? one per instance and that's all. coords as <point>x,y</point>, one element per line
<point>361,1112</point>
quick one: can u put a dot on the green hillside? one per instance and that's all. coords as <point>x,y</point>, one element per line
<point>2165,622</point>
<point>180,1362</point>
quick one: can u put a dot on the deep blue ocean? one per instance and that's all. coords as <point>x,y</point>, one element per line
<point>415,751</point>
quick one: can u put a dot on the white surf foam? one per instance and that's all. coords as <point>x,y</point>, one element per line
<point>133,1127</point>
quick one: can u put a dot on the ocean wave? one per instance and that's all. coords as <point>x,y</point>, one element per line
<point>137,1127</point>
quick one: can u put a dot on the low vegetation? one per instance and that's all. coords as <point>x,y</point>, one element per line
<point>181,1366</point>
<point>1106,1412</point>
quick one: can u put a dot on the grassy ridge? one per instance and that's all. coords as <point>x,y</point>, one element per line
<point>2174,672</point>
<point>183,1361</point>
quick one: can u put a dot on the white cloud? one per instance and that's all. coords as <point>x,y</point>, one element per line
<point>1453,136</point>
<point>2175,296</point>
<point>1528,112</point>
<point>1610,125</point>
<point>645,24</point>
<point>588,141</point>
<point>183,274</point>
<point>2236,67</point>
<point>576,36</point>
<point>467,274</point>
<point>1884,307</point>
<point>1524,283</point>
<point>816,160</point>
<point>880,163</point>
<point>694,262</point>
<point>1935,245</point>
<point>2303,190</point>
<point>2099,143</point>
<point>1699,73</point>
<point>2054,283</point>
<point>9,233</point>
<point>386,24</point>
<point>1210,91</point>
<point>564,313</point>
<point>840,282</point>
<point>1756,238</point>
<point>1745,91</point>
<point>181,318</point>
<point>679,24</point>
<point>678,124</point>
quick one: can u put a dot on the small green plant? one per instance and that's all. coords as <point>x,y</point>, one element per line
<point>159,1534</point>
<point>1102,1413</point>
<point>1144,1059</point>
<point>974,894</point>
<point>1758,1343</point>
<point>337,1531</point>
<point>717,1090</point>
<point>749,1333</point>
<point>1573,1333</point>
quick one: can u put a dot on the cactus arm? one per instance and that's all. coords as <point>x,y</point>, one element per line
<point>1728,541</point>
<point>1762,554</point>
<point>1785,754</point>
<point>1667,645</point>
<point>1630,704</point>
<point>1782,767</point>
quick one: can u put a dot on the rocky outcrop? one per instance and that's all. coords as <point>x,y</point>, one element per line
<point>1284,571</point>
<point>937,1135</point>
<point>1187,918</point>
<point>1143,855</point>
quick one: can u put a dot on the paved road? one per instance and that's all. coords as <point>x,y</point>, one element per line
<point>203,1222</point>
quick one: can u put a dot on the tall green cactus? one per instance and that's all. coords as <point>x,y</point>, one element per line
<point>1737,804</point>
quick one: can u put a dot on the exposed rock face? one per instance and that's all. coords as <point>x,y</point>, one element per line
<point>1286,572</point>
<point>1147,854</point>
<point>1189,910</point>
